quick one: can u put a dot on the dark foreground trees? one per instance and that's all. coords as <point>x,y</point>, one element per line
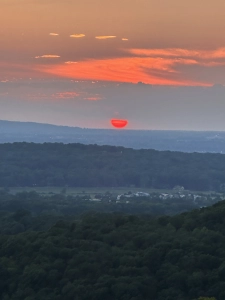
<point>114,256</point>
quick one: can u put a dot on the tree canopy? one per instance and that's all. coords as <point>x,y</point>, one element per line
<point>77,165</point>
<point>116,256</point>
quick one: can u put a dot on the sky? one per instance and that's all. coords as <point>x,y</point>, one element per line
<point>160,64</point>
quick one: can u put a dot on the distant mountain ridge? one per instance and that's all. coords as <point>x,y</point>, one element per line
<point>31,126</point>
<point>185,141</point>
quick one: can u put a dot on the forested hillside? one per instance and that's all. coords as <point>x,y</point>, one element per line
<point>78,165</point>
<point>116,257</point>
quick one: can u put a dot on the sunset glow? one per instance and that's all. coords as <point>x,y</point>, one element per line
<point>126,51</point>
<point>156,66</point>
<point>85,60</point>
<point>119,123</point>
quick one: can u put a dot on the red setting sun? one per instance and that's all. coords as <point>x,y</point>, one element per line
<point>119,123</point>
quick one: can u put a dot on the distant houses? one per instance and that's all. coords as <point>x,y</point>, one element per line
<point>130,195</point>
<point>198,199</point>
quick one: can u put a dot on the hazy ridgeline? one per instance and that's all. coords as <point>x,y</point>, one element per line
<point>185,141</point>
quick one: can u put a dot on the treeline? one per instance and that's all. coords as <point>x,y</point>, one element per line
<point>32,211</point>
<point>77,165</point>
<point>117,257</point>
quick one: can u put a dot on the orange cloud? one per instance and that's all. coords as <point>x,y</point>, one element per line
<point>179,52</point>
<point>70,62</point>
<point>66,95</point>
<point>171,66</point>
<point>130,69</point>
<point>104,37</point>
<point>124,39</point>
<point>48,56</point>
<point>61,95</point>
<point>80,35</point>
<point>49,95</point>
<point>53,34</point>
<point>95,98</point>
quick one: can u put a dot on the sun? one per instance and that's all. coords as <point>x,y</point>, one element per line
<point>119,123</point>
